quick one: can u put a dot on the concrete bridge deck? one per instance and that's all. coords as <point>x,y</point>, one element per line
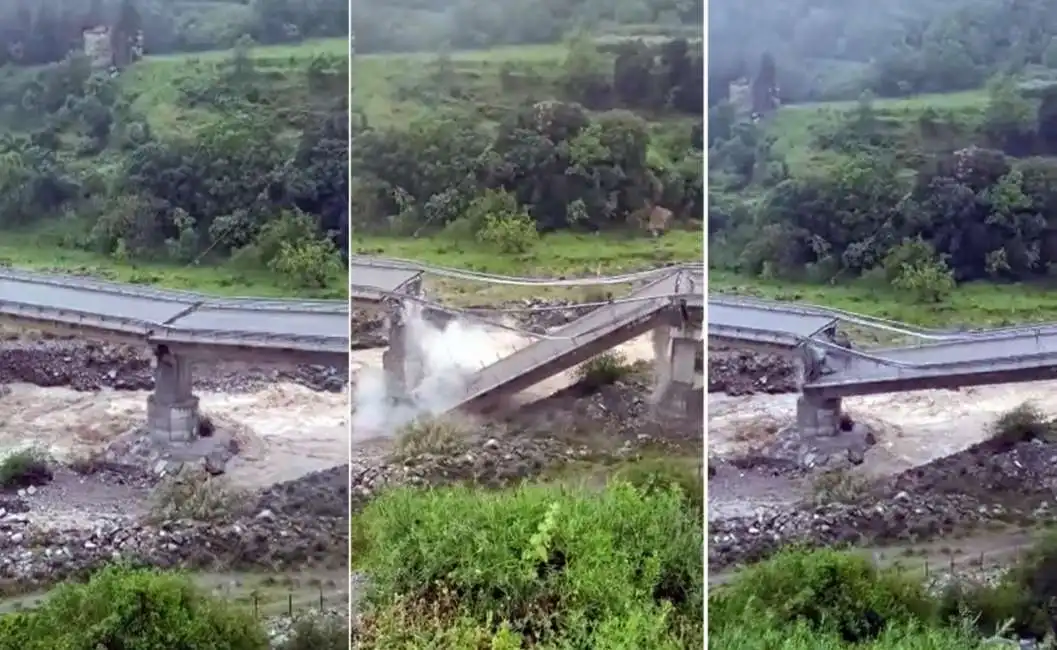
<point>667,297</point>
<point>656,305</point>
<point>948,358</point>
<point>761,324</point>
<point>1004,358</point>
<point>183,327</point>
<point>193,324</point>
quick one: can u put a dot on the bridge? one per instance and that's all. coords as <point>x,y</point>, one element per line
<point>181,328</point>
<point>831,368</point>
<point>184,328</point>
<point>668,301</point>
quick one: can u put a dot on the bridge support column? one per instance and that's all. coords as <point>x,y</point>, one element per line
<point>172,409</point>
<point>816,416</point>
<point>662,362</point>
<point>676,356</point>
<point>394,358</point>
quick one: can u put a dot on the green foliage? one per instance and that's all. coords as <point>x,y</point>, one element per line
<point>915,268</point>
<point>197,496</point>
<point>603,370</point>
<point>833,592</point>
<point>1008,113</point>
<point>826,599</point>
<point>509,232</point>
<point>292,247</point>
<point>661,474</point>
<point>24,467</point>
<point>40,36</point>
<point>1023,596</point>
<point>307,265</point>
<point>439,436</point>
<point>132,608</point>
<point>928,283</point>
<point>840,599</point>
<point>1022,424</point>
<point>881,204</point>
<point>549,165</point>
<point>758,630</point>
<point>970,174</point>
<point>85,150</point>
<point>565,568</point>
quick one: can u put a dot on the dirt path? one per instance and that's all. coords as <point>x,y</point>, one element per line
<point>969,554</point>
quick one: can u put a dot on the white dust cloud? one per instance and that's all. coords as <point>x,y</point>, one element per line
<point>448,357</point>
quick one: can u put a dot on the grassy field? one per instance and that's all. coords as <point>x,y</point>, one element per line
<point>154,83</point>
<point>395,89</point>
<point>557,255</point>
<point>562,255</point>
<point>974,304</point>
<point>794,127</point>
<point>44,251</point>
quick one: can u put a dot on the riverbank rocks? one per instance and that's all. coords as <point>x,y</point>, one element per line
<point>289,525</point>
<point>88,366</point>
<point>30,555</point>
<point>323,495</point>
<point>743,372</point>
<point>974,488</point>
<point>790,448</point>
<point>490,462</point>
<point>903,518</point>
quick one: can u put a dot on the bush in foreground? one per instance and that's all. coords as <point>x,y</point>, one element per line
<point>832,592</point>
<point>132,608</point>
<point>834,599</point>
<point>537,566</point>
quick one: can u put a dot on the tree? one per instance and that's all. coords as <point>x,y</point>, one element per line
<point>765,85</point>
<point>126,33</point>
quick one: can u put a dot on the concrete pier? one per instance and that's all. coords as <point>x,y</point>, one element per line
<point>172,409</point>
<point>818,417</point>
<point>675,356</point>
<point>394,359</point>
<point>662,362</point>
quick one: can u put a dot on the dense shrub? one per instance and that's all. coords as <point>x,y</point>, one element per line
<point>835,599</point>
<point>1021,600</point>
<point>830,591</point>
<point>132,608</point>
<point>24,467</point>
<point>544,566</point>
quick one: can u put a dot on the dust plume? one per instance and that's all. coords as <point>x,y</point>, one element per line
<point>442,360</point>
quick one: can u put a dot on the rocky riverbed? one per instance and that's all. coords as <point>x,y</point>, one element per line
<point>976,488</point>
<point>97,509</point>
<point>742,372</point>
<point>568,427</point>
<point>912,467</point>
<point>290,525</point>
<point>87,366</point>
